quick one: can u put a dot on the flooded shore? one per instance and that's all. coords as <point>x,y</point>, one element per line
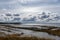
<point>31,30</point>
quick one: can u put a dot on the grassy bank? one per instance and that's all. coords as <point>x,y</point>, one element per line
<point>54,32</point>
<point>16,37</point>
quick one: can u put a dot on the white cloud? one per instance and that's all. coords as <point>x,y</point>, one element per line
<point>7,2</point>
<point>17,3</point>
<point>27,1</point>
<point>26,9</point>
<point>48,0</point>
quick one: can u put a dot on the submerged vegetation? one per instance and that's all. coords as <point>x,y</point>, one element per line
<point>50,30</point>
<point>16,37</point>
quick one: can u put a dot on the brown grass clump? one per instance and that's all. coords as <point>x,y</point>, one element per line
<point>54,32</point>
<point>16,37</point>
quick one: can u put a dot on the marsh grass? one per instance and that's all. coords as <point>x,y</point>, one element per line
<point>54,32</point>
<point>17,37</point>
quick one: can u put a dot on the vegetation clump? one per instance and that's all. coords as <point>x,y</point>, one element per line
<point>17,37</point>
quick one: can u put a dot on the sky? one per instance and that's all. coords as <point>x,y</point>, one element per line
<point>29,7</point>
<point>19,6</point>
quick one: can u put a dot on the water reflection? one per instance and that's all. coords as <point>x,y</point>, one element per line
<point>13,30</point>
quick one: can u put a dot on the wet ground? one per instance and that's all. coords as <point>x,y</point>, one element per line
<point>33,30</point>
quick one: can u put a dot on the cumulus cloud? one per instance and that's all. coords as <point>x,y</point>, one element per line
<point>29,7</point>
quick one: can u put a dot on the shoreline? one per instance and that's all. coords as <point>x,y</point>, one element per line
<point>36,28</point>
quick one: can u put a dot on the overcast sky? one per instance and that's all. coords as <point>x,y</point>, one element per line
<point>18,6</point>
